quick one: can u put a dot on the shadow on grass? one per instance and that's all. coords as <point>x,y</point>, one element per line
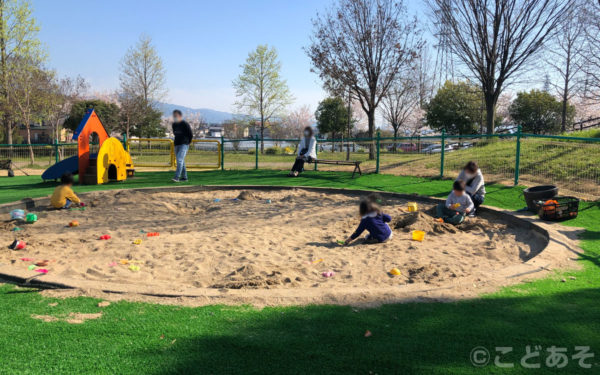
<point>433,338</point>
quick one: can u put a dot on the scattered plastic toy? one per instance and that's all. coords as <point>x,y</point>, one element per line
<point>74,223</point>
<point>41,270</point>
<point>43,263</point>
<point>268,201</point>
<point>31,218</point>
<point>439,220</point>
<point>134,268</point>
<point>27,259</point>
<point>137,242</point>
<point>216,200</point>
<point>317,261</point>
<point>17,214</point>
<point>105,237</point>
<point>16,229</point>
<point>395,272</point>
<point>418,235</point>
<point>31,268</point>
<point>124,261</point>
<point>112,264</point>
<point>340,242</point>
<point>412,207</point>
<point>142,231</point>
<point>328,274</point>
<point>235,199</point>
<point>152,234</point>
<point>17,245</point>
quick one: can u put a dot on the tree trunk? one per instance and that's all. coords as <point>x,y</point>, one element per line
<point>490,116</point>
<point>31,155</point>
<point>332,142</point>
<point>262,135</point>
<point>396,128</point>
<point>371,117</point>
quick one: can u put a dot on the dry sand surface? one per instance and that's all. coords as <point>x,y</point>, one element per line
<point>246,249</point>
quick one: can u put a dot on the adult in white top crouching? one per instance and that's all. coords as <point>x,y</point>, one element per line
<point>307,151</point>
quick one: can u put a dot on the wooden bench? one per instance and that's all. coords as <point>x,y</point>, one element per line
<point>356,164</point>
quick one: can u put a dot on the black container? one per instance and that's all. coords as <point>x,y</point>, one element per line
<point>538,193</point>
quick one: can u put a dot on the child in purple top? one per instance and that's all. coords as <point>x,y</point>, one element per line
<point>374,221</point>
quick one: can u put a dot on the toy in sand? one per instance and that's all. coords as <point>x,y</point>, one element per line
<point>74,223</point>
<point>105,237</point>
<point>17,245</point>
<point>152,234</point>
<point>395,272</point>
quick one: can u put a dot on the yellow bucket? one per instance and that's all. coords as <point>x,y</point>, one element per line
<point>418,235</point>
<point>412,207</point>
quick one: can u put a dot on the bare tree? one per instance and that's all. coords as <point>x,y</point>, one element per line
<point>399,104</point>
<point>592,52</point>
<point>364,45</point>
<point>565,55</point>
<point>61,94</point>
<point>297,120</point>
<point>496,39</point>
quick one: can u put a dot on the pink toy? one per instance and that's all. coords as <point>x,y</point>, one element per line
<point>112,264</point>
<point>328,273</point>
<point>27,259</point>
<point>42,270</point>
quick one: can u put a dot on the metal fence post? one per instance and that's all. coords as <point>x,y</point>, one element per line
<point>56,157</point>
<point>442,154</point>
<point>378,144</point>
<point>256,152</point>
<point>316,150</point>
<point>222,153</point>
<point>518,155</point>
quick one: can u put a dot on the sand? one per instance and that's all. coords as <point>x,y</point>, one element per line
<point>243,249</point>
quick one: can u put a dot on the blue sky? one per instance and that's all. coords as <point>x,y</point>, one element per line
<point>202,43</point>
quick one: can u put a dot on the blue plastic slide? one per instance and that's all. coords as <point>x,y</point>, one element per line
<point>69,165</point>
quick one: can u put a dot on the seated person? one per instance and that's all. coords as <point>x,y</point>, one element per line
<point>457,206</point>
<point>63,196</point>
<point>374,221</point>
<point>307,152</point>
<point>475,185</point>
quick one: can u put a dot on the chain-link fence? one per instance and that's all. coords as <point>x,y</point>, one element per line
<point>572,163</point>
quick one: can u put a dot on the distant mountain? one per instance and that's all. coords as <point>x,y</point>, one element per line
<point>209,115</point>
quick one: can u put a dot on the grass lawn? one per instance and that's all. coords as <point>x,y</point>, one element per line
<point>423,338</point>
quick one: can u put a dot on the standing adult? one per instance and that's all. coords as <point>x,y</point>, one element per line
<point>307,152</point>
<point>183,137</point>
<point>475,184</point>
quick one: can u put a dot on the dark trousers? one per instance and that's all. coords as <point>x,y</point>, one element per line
<point>477,199</point>
<point>299,164</point>
<point>449,216</point>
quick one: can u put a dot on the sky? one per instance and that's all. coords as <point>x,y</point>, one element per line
<point>202,43</point>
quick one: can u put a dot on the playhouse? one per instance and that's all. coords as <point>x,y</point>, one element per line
<point>110,162</point>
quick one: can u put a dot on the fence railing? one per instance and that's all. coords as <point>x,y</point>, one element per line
<point>572,163</point>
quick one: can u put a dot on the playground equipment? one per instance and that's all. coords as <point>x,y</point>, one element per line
<point>110,163</point>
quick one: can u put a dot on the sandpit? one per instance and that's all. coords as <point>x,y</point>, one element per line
<point>268,247</point>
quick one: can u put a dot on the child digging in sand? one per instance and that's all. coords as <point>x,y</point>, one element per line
<point>63,196</point>
<point>457,206</point>
<point>374,221</point>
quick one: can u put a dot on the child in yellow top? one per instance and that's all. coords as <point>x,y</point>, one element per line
<point>63,196</point>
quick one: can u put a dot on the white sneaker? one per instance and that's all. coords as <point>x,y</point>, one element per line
<point>175,180</point>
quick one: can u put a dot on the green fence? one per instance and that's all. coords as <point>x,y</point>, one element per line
<point>572,163</point>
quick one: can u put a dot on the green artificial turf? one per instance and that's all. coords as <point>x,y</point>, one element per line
<point>409,338</point>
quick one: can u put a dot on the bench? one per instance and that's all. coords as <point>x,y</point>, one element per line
<point>356,164</point>
<point>8,165</point>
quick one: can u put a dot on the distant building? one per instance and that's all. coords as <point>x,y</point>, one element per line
<point>39,133</point>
